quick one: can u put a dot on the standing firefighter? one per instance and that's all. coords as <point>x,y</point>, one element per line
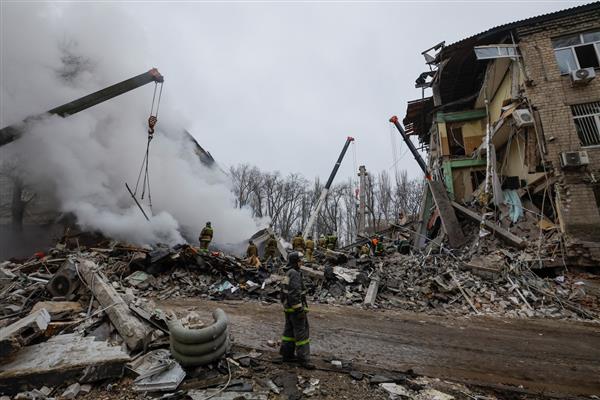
<point>310,247</point>
<point>206,237</point>
<point>252,254</point>
<point>331,241</point>
<point>295,342</point>
<point>271,248</point>
<point>322,242</point>
<point>298,242</point>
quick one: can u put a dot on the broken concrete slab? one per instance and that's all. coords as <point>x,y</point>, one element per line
<point>371,295</point>
<point>134,332</point>
<point>71,391</point>
<point>23,331</point>
<point>157,372</point>
<point>59,310</point>
<point>395,390</point>
<point>60,359</point>
<point>432,394</point>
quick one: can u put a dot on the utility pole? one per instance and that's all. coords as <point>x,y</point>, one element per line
<point>362,192</point>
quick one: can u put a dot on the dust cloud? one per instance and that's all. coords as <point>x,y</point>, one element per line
<point>82,162</point>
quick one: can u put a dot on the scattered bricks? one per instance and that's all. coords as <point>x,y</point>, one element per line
<point>23,331</point>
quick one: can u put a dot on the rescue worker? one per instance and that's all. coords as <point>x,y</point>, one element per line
<point>310,247</point>
<point>331,241</point>
<point>271,248</point>
<point>252,254</point>
<point>322,242</point>
<point>206,237</point>
<point>295,341</point>
<point>365,250</point>
<point>379,249</point>
<point>298,242</point>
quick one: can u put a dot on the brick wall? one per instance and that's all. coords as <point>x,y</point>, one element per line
<point>552,94</point>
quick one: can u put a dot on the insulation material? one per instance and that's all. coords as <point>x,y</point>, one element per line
<point>515,207</point>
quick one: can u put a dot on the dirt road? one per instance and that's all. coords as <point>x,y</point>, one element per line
<point>558,357</point>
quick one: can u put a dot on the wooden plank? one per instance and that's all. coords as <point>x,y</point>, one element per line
<point>502,233</point>
<point>61,358</point>
<point>452,227</point>
<point>371,295</point>
<point>134,332</point>
<point>23,331</point>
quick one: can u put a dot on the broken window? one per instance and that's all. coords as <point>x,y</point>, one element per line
<point>578,51</point>
<point>456,141</point>
<point>495,51</point>
<point>587,121</point>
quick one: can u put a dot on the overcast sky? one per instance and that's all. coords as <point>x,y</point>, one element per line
<point>281,85</point>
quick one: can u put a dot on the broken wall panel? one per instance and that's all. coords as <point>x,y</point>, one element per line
<point>60,359</point>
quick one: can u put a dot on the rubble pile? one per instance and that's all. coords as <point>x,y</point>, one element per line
<point>95,306</point>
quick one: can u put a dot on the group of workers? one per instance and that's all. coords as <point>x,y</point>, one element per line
<point>308,246</point>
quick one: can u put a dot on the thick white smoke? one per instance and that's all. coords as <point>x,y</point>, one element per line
<point>83,161</point>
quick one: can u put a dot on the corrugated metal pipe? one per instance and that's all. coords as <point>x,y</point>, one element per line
<point>193,347</point>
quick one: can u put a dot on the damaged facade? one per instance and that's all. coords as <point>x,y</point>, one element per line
<point>533,84</point>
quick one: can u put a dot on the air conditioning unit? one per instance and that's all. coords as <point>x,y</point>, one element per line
<point>574,159</point>
<point>523,118</point>
<point>582,76</point>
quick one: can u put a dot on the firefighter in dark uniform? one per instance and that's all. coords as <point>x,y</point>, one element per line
<point>295,341</point>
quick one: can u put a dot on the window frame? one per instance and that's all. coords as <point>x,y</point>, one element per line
<point>596,118</point>
<point>595,45</point>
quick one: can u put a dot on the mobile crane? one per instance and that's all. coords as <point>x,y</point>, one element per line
<point>325,191</point>
<point>13,132</point>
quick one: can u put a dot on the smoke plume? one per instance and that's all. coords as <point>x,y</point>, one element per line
<point>82,162</point>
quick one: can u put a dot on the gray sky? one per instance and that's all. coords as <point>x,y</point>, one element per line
<point>281,85</point>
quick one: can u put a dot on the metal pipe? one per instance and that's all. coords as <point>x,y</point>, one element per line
<point>411,146</point>
<point>12,132</point>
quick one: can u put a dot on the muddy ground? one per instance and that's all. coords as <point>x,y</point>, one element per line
<point>539,357</point>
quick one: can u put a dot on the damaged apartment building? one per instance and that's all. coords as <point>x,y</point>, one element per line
<point>531,86</point>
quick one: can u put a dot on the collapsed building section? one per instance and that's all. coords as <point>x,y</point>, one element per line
<point>530,87</point>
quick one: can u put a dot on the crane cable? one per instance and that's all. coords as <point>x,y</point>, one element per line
<point>152,120</point>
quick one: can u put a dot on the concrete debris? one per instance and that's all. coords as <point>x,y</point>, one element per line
<point>134,332</point>
<point>156,372</point>
<point>395,391</point>
<point>433,394</point>
<point>61,358</point>
<point>71,392</point>
<point>59,310</point>
<point>23,332</point>
<point>114,290</point>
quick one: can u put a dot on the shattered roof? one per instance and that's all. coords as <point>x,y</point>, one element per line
<point>462,74</point>
<point>418,118</point>
<point>518,24</point>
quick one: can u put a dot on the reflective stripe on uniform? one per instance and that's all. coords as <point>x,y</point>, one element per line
<point>287,339</point>
<point>302,342</point>
<point>288,310</point>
